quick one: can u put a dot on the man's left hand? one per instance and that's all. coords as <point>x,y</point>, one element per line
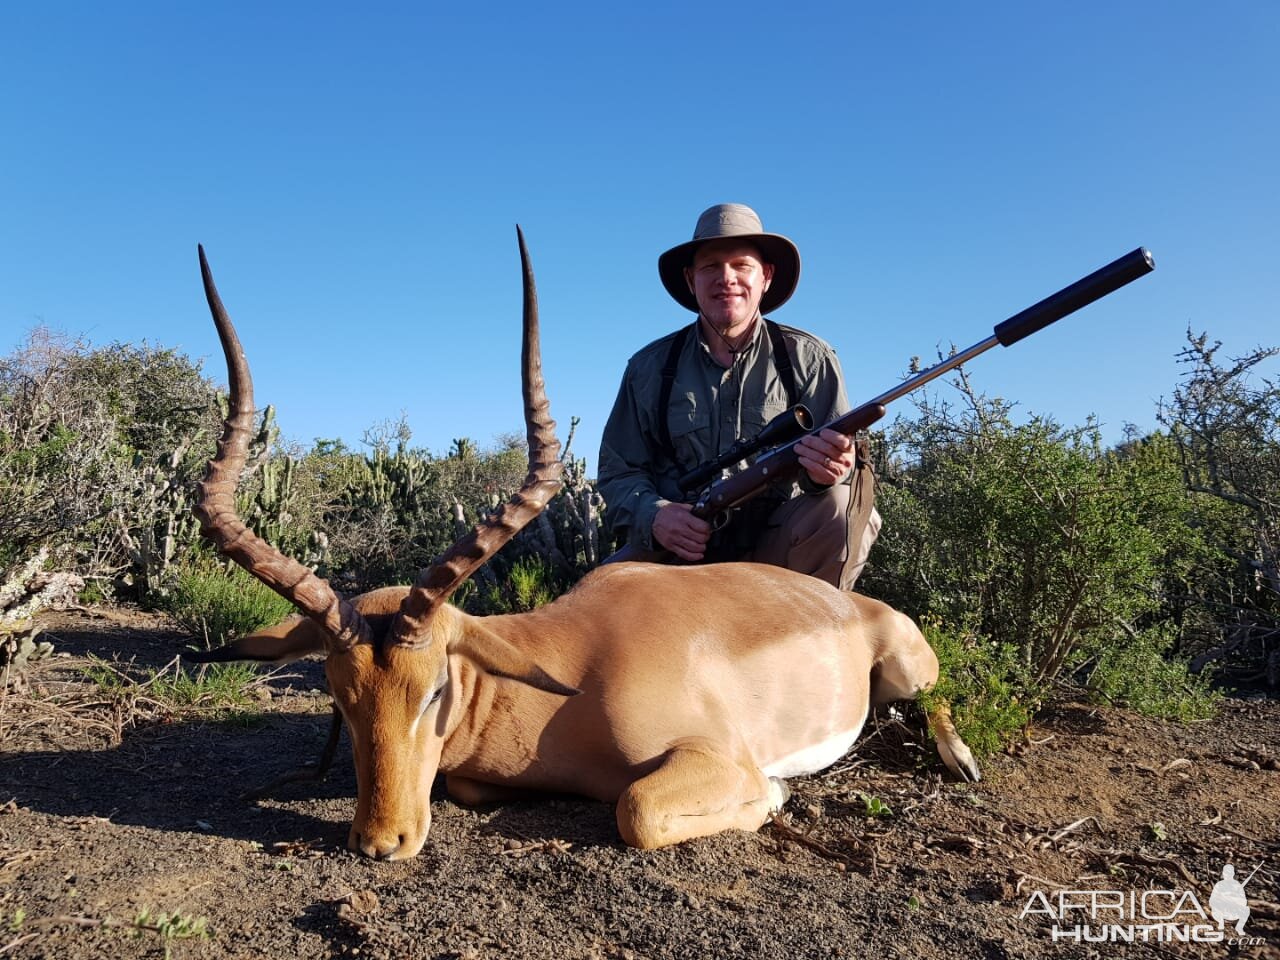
<point>827,456</point>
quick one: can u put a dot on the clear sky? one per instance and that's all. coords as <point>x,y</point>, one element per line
<point>355,172</point>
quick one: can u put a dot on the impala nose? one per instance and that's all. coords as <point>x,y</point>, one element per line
<point>379,845</point>
<point>389,842</point>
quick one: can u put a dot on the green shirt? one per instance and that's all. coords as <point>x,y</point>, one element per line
<point>711,408</point>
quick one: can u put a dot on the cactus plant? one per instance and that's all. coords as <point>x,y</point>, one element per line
<point>25,590</point>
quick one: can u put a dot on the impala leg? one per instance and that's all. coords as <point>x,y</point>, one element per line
<point>312,771</point>
<point>907,666</point>
<point>955,753</point>
<point>477,793</point>
<point>696,791</point>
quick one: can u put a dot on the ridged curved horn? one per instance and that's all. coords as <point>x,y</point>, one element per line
<point>436,583</point>
<point>216,503</point>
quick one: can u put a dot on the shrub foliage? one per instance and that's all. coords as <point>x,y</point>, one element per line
<point>1224,418</point>
<point>1035,554</point>
<point>216,603</point>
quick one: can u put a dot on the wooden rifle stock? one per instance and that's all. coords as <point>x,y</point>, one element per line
<point>783,464</point>
<point>780,465</point>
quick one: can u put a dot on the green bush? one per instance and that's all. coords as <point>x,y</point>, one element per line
<point>985,683</point>
<point>216,604</point>
<point>1144,674</point>
<point>1032,533</point>
<point>1224,419</point>
<point>529,583</point>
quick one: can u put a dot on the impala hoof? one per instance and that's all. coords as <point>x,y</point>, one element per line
<point>959,760</point>
<point>779,794</point>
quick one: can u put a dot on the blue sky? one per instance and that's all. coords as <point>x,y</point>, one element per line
<point>355,175</point>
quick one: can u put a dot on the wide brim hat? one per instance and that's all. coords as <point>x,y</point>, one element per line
<point>733,221</point>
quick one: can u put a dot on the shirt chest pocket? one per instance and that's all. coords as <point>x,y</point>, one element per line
<point>756,416</point>
<point>690,426</point>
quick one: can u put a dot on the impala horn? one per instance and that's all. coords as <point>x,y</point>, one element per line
<point>216,503</point>
<point>436,583</point>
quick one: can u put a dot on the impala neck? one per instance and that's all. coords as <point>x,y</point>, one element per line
<point>494,724</point>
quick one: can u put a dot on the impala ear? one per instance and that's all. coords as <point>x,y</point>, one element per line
<point>287,640</point>
<point>493,654</point>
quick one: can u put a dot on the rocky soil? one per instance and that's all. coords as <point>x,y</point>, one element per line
<point>122,834</point>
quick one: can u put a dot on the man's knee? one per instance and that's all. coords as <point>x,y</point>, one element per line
<point>808,534</point>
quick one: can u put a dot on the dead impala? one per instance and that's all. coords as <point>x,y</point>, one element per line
<point>683,695</point>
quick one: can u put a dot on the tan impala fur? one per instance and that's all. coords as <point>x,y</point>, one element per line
<point>681,694</point>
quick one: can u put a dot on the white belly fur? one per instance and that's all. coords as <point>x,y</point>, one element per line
<point>817,757</point>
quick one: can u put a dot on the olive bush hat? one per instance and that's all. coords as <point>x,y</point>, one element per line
<point>733,221</point>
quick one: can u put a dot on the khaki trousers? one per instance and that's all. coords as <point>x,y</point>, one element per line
<point>826,535</point>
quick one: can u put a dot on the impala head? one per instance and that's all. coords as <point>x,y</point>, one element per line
<point>391,655</point>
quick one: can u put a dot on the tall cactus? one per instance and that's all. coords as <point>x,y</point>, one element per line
<point>153,515</point>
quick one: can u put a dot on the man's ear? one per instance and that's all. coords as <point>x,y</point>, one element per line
<point>688,279</point>
<point>768,276</point>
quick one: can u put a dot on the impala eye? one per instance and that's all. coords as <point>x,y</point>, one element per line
<point>434,697</point>
<point>436,694</point>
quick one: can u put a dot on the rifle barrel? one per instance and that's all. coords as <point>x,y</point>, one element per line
<point>1054,307</point>
<point>1105,280</point>
<point>937,370</point>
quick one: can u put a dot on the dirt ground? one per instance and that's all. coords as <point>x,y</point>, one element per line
<point>120,837</point>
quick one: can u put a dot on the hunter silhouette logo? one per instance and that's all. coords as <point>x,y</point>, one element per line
<point>1146,916</point>
<point>1228,902</point>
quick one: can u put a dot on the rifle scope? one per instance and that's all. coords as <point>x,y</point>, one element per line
<point>787,426</point>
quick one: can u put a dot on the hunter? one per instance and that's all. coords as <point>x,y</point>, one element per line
<point>689,396</point>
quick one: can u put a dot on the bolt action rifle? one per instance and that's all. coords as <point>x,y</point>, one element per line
<point>783,464</point>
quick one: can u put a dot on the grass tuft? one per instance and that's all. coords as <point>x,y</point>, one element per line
<point>218,691</point>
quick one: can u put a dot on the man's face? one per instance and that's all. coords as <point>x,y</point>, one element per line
<point>728,278</point>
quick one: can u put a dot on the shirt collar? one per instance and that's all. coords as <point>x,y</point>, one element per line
<point>748,348</point>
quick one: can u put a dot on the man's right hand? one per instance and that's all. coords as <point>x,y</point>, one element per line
<point>677,529</point>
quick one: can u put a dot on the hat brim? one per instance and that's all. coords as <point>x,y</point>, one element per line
<point>775,249</point>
